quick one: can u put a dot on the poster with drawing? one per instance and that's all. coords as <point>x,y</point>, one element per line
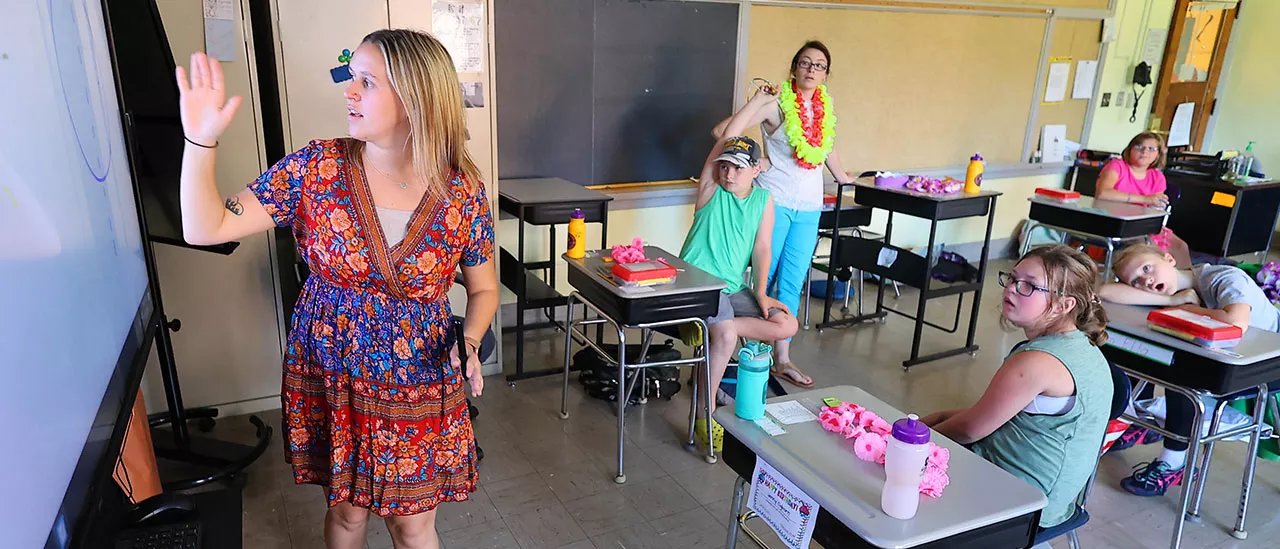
<point>460,27</point>
<point>790,512</point>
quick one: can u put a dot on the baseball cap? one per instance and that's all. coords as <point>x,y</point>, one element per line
<point>741,151</point>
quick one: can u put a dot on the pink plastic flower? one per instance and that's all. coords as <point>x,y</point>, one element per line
<point>866,418</point>
<point>853,432</point>
<point>939,456</point>
<point>832,420</point>
<point>851,407</point>
<point>870,447</point>
<point>935,480</point>
<point>881,427</point>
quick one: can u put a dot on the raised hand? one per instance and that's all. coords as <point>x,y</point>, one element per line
<point>206,111</point>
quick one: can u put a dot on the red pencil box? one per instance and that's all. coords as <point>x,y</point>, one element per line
<point>1059,194</point>
<point>1192,324</point>
<point>644,272</point>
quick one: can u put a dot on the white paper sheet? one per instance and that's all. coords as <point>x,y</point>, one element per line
<point>1056,89</point>
<point>460,27</point>
<point>1153,48</point>
<point>219,30</point>
<point>1053,143</point>
<point>782,505</point>
<point>1086,74</point>
<point>1180,128</point>
<point>789,412</point>
<point>773,429</point>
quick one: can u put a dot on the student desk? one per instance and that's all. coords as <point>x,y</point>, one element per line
<point>1222,218</point>
<point>544,202</point>
<point>983,507</point>
<point>1104,221</point>
<point>1196,372</point>
<point>887,261</point>
<point>691,299</point>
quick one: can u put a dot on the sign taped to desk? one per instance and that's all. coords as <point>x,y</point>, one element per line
<point>784,507</point>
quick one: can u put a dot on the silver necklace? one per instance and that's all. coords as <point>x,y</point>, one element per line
<point>402,185</point>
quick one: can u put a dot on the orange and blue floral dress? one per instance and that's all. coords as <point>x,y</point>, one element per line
<point>372,407</point>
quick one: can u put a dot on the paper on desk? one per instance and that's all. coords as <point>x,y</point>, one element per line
<point>1180,128</point>
<point>789,412</point>
<point>784,507</point>
<point>773,429</point>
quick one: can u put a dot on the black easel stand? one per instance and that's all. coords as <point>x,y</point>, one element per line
<point>215,460</point>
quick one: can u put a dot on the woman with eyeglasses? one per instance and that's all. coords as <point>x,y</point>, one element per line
<point>1043,416</point>
<point>798,122</point>
<point>1135,177</point>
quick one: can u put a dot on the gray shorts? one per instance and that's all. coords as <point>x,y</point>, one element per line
<point>742,303</point>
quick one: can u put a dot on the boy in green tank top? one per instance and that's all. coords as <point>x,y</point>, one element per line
<point>732,228</point>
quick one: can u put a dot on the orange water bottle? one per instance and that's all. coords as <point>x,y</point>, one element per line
<point>973,176</point>
<point>577,235</point>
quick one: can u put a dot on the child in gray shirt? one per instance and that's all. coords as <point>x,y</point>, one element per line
<point>1149,276</point>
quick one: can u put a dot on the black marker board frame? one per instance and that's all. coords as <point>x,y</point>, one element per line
<point>611,91</point>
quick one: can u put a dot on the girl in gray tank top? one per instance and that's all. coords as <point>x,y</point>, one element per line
<point>1044,414</point>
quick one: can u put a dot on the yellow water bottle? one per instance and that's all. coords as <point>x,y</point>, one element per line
<point>973,176</point>
<point>577,235</point>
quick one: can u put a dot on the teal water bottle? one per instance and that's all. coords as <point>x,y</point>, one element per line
<point>753,377</point>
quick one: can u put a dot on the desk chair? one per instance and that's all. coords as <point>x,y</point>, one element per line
<point>822,262</point>
<point>1119,401</point>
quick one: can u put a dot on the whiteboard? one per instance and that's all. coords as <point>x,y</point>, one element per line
<point>72,271</point>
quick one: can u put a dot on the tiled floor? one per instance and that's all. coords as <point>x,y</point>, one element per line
<point>548,483</point>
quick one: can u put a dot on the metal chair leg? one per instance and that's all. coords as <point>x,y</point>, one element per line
<point>1072,541</point>
<point>735,508</point>
<point>693,395</point>
<point>1197,480</point>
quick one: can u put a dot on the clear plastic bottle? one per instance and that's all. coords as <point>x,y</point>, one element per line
<point>904,463</point>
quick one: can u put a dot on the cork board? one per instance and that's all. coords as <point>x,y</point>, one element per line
<point>912,90</point>
<point>1078,40</point>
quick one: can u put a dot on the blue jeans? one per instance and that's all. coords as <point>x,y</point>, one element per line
<point>795,236</point>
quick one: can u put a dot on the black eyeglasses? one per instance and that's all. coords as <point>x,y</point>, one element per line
<point>1024,288</point>
<point>804,64</point>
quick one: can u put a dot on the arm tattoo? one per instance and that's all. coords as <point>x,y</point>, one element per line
<point>233,204</point>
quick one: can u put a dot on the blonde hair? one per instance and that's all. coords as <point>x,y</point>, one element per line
<point>1138,139</point>
<point>422,75</point>
<point>1133,252</point>
<point>1071,274</point>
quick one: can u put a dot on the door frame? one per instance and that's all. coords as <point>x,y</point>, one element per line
<point>1165,77</point>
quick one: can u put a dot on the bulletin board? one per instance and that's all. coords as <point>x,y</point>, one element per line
<point>912,90</point>
<point>1073,41</point>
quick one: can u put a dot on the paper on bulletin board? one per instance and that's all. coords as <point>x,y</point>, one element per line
<point>1053,143</point>
<point>460,26</point>
<point>1180,128</point>
<point>1056,89</point>
<point>1086,73</point>
<point>784,507</point>
<point>219,30</point>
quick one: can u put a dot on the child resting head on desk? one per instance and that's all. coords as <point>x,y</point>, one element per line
<point>1149,276</point>
<point>1043,416</point>
<point>1135,177</point>
<point>732,228</point>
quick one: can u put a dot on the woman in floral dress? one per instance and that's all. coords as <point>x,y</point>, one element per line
<point>373,396</point>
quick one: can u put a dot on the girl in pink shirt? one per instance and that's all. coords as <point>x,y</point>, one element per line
<point>1136,178</point>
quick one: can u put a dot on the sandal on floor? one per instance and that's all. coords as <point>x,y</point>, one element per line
<point>700,434</point>
<point>784,369</point>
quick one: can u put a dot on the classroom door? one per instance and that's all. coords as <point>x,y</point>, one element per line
<point>1191,67</point>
